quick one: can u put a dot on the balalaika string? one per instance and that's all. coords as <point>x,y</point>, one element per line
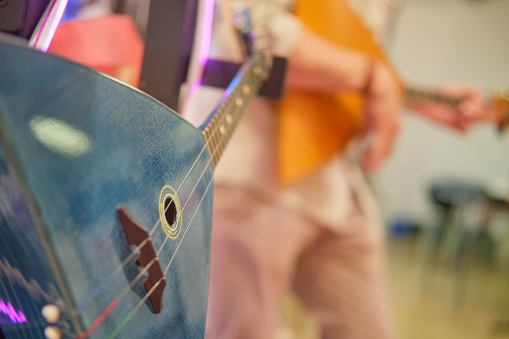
<point>248,74</point>
<point>30,325</point>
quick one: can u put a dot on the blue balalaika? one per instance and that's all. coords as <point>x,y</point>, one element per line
<point>105,202</point>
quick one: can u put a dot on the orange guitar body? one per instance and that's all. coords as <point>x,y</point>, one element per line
<point>313,126</point>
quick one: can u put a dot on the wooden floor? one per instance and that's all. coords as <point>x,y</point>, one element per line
<point>428,303</point>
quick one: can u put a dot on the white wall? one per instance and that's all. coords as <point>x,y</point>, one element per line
<point>436,41</point>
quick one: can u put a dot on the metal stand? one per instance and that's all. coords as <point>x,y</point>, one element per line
<point>169,40</point>
<point>168,44</point>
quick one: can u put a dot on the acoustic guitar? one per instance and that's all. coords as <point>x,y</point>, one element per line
<point>313,126</point>
<point>106,201</point>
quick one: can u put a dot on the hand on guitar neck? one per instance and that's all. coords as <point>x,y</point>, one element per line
<point>457,105</point>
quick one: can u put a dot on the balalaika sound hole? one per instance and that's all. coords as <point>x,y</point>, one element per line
<point>170,212</point>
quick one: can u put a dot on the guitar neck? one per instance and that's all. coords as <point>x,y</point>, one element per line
<point>415,96</point>
<point>219,126</point>
<point>498,102</point>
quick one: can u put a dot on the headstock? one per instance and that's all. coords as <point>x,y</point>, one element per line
<point>500,102</point>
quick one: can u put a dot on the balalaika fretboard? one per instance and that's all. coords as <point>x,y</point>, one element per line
<point>219,127</point>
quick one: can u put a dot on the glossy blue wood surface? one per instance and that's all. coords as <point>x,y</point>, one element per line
<point>79,145</point>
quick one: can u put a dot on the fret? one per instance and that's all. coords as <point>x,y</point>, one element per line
<point>246,89</point>
<point>216,153</point>
<point>218,128</point>
<point>222,129</point>
<point>207,134</point>
<point>222,143</point>
<point>231,121</point>
<point>215,141</point>
<point>225,127</point>
<point>228,118</point>
<point>218,119</point>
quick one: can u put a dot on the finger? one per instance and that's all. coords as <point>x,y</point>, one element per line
<point>446,116</point>
<point>472,109</point>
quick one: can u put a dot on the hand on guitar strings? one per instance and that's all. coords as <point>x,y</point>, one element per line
<point>382,115</point>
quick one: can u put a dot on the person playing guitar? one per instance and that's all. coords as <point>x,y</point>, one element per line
<point>279,224</point>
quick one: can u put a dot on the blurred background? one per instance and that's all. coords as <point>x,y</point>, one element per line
<point>439,41</point>
<point>444,194</point>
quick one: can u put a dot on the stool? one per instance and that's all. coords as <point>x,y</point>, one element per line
<point>461,220</point>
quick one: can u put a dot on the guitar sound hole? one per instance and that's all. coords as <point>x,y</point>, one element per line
<point>170,211</point>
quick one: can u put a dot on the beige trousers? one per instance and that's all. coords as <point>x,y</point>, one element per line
<point>261,250</point>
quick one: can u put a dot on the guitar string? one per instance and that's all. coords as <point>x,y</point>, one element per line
<point>117,300</point>
<point>67,332</point>
<point>7,295</point>
<point>32,325</point>
<point>143,271</point>
<point>149,293</point>
<point>136,250</point>
<point>9,301</point>
<point>32,306</point>
<point>225,102</point>
<point>27,324</point>
<point>31,322</point>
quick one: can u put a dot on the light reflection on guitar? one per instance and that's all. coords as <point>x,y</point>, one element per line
<point>16,317</point>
